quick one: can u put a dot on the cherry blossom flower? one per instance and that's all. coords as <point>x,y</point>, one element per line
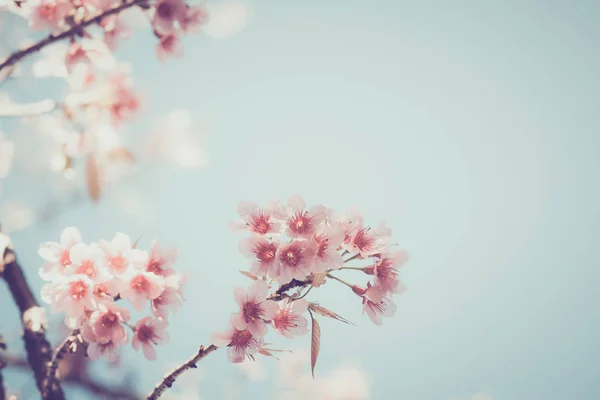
<point>57,256</point>
<point>366,241</point>
<point>47,14</point>
<point>296,260</point>
<point>194,18</point>
<point>327,240</point>
<point>167,12</point>
<point>73,295</point>
<point>150,332</point>
<point>106,323</point>
<point>240,342</point>
<point>114,29</point>
<point>96,349</point>
<point>88,260</point>
<point>123,102</point>
<point>263,252</point>
<point>121,256</point>
<point>376,305</point>
<point>259,220</point>
<point>75,55</point>
<point>141,286</point>
<point>301,222</point>
<point>386,274</point>
<point>169,46</point>
<point>288,320</point>
<point>170,299</point>
<point>255,309</point>
<point>160,261</point>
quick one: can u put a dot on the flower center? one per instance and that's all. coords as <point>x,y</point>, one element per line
<point>65,258</point>
<point>260,223</point>
<point>78,290</point>
<point>292,256</point>
<point>265,252</point>
<point>146,334</point>
<point>139,283</point>
<point>300,223</point>
<point>165,10</point>
<point>241,339</point>
<point>118,264</point>
<point>252,311</point>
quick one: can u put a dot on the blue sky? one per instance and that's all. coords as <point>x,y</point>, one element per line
<point>470,127</point>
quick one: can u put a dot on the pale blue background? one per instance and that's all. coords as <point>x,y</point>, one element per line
<point>471,127</point>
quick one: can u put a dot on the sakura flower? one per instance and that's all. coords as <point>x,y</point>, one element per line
<point>288,320</point>
<point>169,46</point>
<point>376,305</point>
<point>160,261</point>
<point>47,14</point>
<point>327,240</point>
<point>263,252</point>
<point>301,222</point>
<point>96,349</point>
<point>255,309</point>
<point>114,29</point>
<point>295,260</point>
<point>122,100</point>
<point>106,323</point>
<point>149,332</point>
<point>75,55</point>
<point>141,286</point>
<point>366,241</point>
<point>121,256</point>
<point>170,299</point>
<point>88,260</point>
<point>259,220</point>
<point>73,296</point>
<point>240,342</point>
<point>194,17</point>
<point>57,256</point>
<point>167,12</point>
<point>386,274</point>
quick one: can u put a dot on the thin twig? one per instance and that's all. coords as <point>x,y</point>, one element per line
<point>60,352</point>
<point>168,380</point>
<point>17,56</point>
<point>33,318</point>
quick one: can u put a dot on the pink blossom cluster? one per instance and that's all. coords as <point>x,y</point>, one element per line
<point>296,246</point>
<point>93,283</point>
<point>170,20</point>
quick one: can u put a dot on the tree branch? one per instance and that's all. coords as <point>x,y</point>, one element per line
<point>61,350</point>
<point>101,390</point>
<point>33,317</point>
<point>169,379</point>
<point>17,56</point>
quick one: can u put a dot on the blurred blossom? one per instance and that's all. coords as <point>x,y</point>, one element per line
<point>175,141</point>
<point>51,62</point>
<point>15,216</point>
<point>226,19</point>
<point>253,370</point>
<point>134,203</point>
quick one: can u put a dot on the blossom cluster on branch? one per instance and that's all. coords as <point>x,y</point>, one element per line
<point>101,96</point>
<point>92,283</point>
<point>296,246</point>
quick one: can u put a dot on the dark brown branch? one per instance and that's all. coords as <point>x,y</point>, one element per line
<point>169,379</point>
<point>33,319</point>
<point>75,378</point>
<point>76,29</point>
<point>62,349</point>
